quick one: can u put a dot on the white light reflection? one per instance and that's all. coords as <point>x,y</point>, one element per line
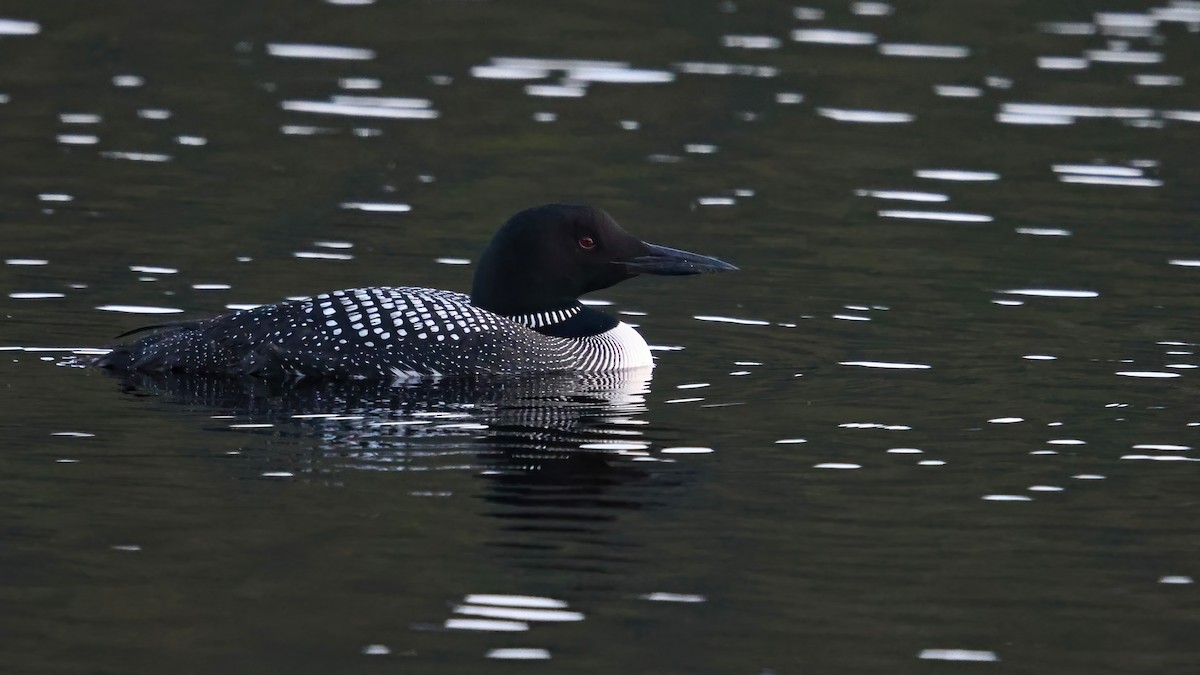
<point>944,216</point>
<point>730,319</point>
<point>660,596</point>
<point>136,156</point>
<point>555,90</point>
<point>924,51</point>
<point>487,625</point>
<point>751,41</point>
<point>518,613</point>
<point>18,27</point>
<point>886,365</point>
<point>139,309</point>
<point>1110,180</point>
<point>871,9</point>
<point>704,68</point>
<point>957,91</point>
<point>1097,170</point>
<point>377,207</point>
<point>958,655</point>
<point>1051,293</point>
<point>1034,120</point>
<point>830,36</point>
<point>312,51</point>
<point>1088,111</point>
<point>79,118</point>
<point>1062,63</point>
<point>866,116</point>
<point>366,106</point>
<point>1123,56</point>
<point>531,601</point>
<point>77,139</point>
<point>1044,231</point>
<point>1154,80</point>
<point>956,175</point>
<point>904,195</point>
<point>518,653</point>
<point>1182,115</point>
<point>322,255</point>
<point>620,75</point>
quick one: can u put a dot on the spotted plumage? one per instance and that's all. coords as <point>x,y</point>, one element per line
<point>523,315</point>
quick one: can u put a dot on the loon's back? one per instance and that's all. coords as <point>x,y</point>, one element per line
<point>372,333</point>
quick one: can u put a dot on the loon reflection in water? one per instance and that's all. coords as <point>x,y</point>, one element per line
<point>502,422</point>
<point>523,315</point>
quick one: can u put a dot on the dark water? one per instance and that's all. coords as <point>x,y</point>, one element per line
<point>933,421</point>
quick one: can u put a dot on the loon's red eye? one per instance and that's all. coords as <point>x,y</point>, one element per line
<point>587,243</point>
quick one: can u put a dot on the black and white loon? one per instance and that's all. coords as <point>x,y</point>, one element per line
<point>523,315</point>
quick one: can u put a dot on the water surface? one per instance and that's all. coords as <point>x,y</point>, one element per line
<point>945,413</point>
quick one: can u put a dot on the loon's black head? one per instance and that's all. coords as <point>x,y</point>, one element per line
<point>545,257</point>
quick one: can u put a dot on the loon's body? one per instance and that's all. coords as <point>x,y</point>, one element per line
<point>523,315</point>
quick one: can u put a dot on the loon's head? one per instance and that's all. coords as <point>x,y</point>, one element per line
<point>545,257</point>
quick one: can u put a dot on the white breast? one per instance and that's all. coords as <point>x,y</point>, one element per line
<point>619,347</point>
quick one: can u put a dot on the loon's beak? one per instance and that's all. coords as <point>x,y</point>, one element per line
<point>672,261</point>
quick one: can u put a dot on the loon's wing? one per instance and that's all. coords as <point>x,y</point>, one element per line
<point>375,333</point>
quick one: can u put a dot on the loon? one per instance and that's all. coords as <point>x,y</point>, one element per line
<point>523,315</point>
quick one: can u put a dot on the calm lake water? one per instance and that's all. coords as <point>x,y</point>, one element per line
<point>946,413</point>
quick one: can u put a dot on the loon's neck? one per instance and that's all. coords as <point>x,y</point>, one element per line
<point>577,320</point>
